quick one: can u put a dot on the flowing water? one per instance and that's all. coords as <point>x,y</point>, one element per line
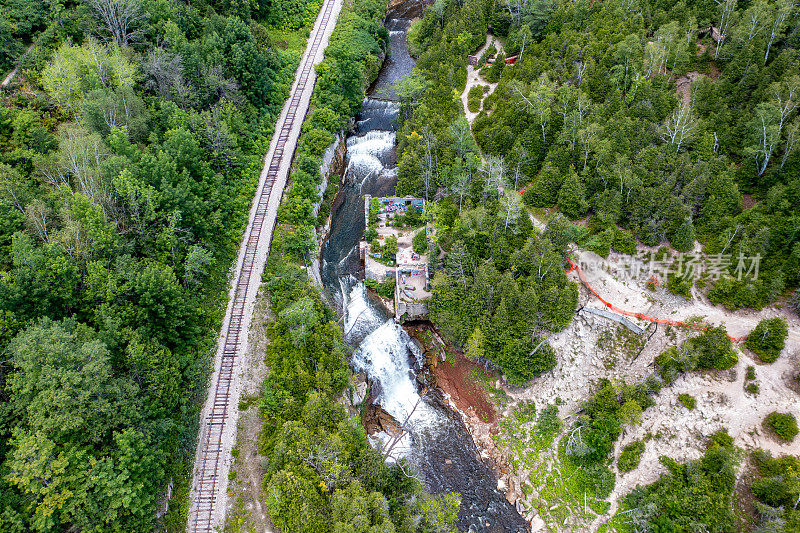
<point>436,443</point>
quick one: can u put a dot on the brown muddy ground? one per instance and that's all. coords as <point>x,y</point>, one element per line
<point>454,375</point>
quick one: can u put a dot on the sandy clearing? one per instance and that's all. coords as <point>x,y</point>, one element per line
<point>474,78</point>
<point>669,428</point>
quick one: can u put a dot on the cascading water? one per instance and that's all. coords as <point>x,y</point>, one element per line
<point>436,442</point>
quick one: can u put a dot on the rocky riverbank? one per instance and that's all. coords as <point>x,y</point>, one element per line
<point>455,379</point>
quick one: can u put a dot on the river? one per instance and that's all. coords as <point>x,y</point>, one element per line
<point>436,444</point>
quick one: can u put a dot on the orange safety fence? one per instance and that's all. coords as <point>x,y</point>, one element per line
<point>678,323</point>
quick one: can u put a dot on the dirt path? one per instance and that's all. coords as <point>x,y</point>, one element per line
<point>8,79</point>
<point>474,78</point>
<point>217,435</point>
<point>673,430</point>
<point>246,511</point>
<point>592,347</point>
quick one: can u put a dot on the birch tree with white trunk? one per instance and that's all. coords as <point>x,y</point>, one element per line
<point>510,206</point>
<point>538,101</point>
<point>679,128</point>
<point>782,9</point>
<point>727,15</point>
<point>767,134</point>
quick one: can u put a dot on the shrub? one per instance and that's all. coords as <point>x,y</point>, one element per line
<point>549,424</point>
<point>624,242</point>
<point>698,492</point>
<point>385,288</point>
<point>300,241</point>
<point>544,190</point>
<point>752,388</point>
<point>680,285</point>
<point>671,362</point>
<point>735,294</point>
<point>776,484</point>
<point>474,98</point>
<point>602,242</point>
<point>713,349</point>
<point>768,339</point>
<point>413,217</point>
<point>374,209</point>
<point>308,164</point>
<point>420,242</point>
<point>603,480</point>
<point>291,15</point>
<point>316,141</point>
<point>389,249</point>
<point>572,197</point>
<point>688,401</point>
<point>630,456</point>
<point>750,373</point>
<point>591,440</point>
<point>783,424</point>
<point>323,118</point>
<point>520,366</point>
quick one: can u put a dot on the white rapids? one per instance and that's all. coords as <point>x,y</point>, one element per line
<point>385,355</point>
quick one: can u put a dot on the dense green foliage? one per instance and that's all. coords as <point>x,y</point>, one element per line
<point>630,456</point>
<point>711,350</point>
<point>695,496</point>
<point>291,14</point>
<point>351,64</point>
<point>768,338</point>
<point>435,147</point>
<point>419,243</point>
<point>53,457</point>
<point>783,424</point>
<point>591,121</point>
<point>19,22</point>
<point>776,489</point>
<point>322,474</point>
<point>500,288</point>
<point>590,114</point>
<point>126,170</point>
<point>590,442</point>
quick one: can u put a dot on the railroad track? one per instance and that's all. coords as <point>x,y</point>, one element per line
<point>210,474</point>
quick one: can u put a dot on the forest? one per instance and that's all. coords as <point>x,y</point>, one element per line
<point>130,148</point>
<point>322,474</point>
<point>129,153</point>
<point>620,124</point>
<point>590,121</point>
<point>502,289</point>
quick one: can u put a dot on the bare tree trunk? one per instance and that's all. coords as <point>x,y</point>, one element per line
<point>121,18</point>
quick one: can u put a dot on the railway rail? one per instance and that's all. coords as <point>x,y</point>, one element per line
<point>209,483</point>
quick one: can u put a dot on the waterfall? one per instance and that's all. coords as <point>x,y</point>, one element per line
<point>435,442</point>
<point>370,169</point>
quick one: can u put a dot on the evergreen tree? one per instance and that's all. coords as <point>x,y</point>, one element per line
<point>572,197</point>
